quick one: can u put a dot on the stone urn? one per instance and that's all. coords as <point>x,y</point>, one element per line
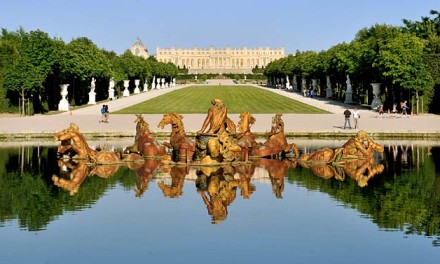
<point>136,89</point>
<point>126,92</point>
<point>111,89</point>
<point>377,102</point>
<point>63,105</point>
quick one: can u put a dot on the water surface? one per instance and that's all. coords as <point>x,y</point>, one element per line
<point>265,212</point>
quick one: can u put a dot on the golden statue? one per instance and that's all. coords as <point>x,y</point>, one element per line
<point>144,144</point>
<point>217,119</point>
<point>354,158</point>
<point>360,146</point>
<point>244,138</point>
<point>72,140</point>
<point>183,148</point>
<point>276,143</point>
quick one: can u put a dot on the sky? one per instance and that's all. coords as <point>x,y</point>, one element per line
<point>301,25</point>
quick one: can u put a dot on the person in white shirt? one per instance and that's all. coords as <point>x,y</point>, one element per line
<point>356,117</point>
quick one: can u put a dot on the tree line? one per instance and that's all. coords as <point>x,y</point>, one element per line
<point>404,59</point>
<point>33,65</point>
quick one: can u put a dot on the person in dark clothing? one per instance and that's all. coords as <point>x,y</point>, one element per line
<point>347,115</point>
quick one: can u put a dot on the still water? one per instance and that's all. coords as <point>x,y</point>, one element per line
<point>268,211</point>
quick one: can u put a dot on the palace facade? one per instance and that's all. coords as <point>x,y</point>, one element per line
<point>213,60</point>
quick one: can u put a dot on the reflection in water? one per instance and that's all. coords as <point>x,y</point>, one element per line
<point>72,175</point>
<point>218,189</point>
<point>177,174</point>
<point>277,170</point>
<point>360,170</point>
<point>403,190</point>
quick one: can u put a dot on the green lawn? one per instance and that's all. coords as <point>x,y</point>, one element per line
<point>238,99</point>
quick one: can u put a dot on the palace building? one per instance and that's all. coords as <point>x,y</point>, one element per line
<point>214,60</point>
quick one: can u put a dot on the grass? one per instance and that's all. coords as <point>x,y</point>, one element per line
<point>238,99</point>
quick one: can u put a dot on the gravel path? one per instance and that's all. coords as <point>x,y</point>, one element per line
<point>87,119</point>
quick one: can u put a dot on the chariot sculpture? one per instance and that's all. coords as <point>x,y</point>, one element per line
<point>216,144</point>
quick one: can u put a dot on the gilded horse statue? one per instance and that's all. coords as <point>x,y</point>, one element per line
<point>183,148</point>
<point>276,143</point>
<point>144,144</point>
<point>74,143</point>
<point>244,137</point>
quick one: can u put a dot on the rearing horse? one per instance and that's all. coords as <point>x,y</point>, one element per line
<point>183,149</point>
<point>144,144</point>
<point>244,137</point>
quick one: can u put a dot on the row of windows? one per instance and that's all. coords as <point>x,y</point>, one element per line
<point>217,62</point>
<point>280,53</point>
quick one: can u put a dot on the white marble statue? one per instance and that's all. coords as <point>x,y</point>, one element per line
<point>348,92</point>
<point>93,84</point>
<point>92,94</point>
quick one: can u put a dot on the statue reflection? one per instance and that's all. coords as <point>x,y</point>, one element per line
<point>218,189</point>
<point>144,173</point>
<point>245,173</point>
<point>324,170</point>
<point>178,174</point>
<point>277,170</point>
<point>104,171</point>
<point>72,175</point>
<point>361,170</point>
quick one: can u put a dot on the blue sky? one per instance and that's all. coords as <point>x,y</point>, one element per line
<point>292,24</point>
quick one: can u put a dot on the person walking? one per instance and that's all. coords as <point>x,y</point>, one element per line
<point>404,107</point>
<point>356,117</point>
<point>381,110</point>
<point>106,113</point>
<point>102,114</point>
<point>347,115</point>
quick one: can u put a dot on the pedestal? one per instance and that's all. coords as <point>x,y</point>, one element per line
<point>136,89</point>
<point>126,92</point>
<point>111,94</point>
<point>92,98</point>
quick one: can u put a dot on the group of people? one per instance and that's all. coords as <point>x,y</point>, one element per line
<point>403,106</point>
<point>347,115</point>
<point>104,114</point>
<point>310,92</point>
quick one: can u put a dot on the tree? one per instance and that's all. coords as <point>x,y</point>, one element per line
<point>82,61</point>
<point>429,30</point>
<point>32,63</point>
